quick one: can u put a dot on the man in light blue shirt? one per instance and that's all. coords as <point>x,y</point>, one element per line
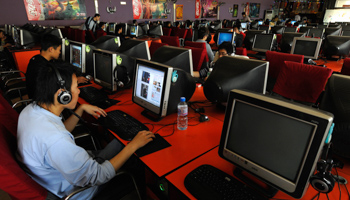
<point>203,34</point>
<point>46,147</point>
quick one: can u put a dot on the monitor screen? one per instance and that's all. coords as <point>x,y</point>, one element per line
<point>133,31</point>
<point>152,86</point>
<point>226,37</point>
<point>309,47</point>
<point>104,65</point>
<point>277,141</point>
<point>264,42</point>
<point>135,48</point>
<point>265,28</point>
<point>177,57</point>
<point>235,73</point>
<point>260,22</point>
<point>155,30</point>
<point>77,55</point>
<point>111,27</point>
<point>277,29</point>
<point>244,25</point>
<point>292,22</point>
<point>287,41</point>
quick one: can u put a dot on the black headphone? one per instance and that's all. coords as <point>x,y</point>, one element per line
<point>323,180</point>
<point>64,97</point>
<point>124,78</point>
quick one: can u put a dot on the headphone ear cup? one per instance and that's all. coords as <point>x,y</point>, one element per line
<point>322,182</point>
<point>64,97</point>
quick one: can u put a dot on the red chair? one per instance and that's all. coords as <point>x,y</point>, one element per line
<point>154,46</point>
<point>79,35</point>
<point>198,45</point>
<point>346,67</point>
<point>171,40</point>
<point>166,31</point>
<point>198,57</point>
<point>174,31</point>
<point>301,82</point>
<point>189,35</point>
<point>100,33</point>
<point>71,35</point>
<point>241,51</point>
<point>180,32</point>
<point>90,37</point>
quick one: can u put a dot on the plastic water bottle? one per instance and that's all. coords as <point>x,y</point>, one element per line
<point>182,111</point>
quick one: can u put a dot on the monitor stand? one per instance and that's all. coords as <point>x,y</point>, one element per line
<point>151,116</point>
<point>268,191</point>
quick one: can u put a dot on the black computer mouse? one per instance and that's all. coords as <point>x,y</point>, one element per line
<point>203,118</point>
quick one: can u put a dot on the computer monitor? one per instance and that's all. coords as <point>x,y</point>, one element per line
<point>287,41</point>
<point>277,29</point>
<point>334,26</point>
<point>145,28</point>
<point>158,88</point>
<point>135,48</point>
<point>125,28</point>
<point>28,38</point>
<point>134,30</point>
<point>336,45</point>
<point>235,73</point>
<point>254,25</point>
<point>155,30</point>
<point>54,31</point>
<point>290,29</point>
<point>105,63</point>
<point>346,33</point>
<point>107,42</point>
<point>226,37</point>
<point>77,56</point>
<point>260,22</point>
<point>249,37</point>
<point>244,25</point>
<point>265,28</point>
<point>323,26</point>
<point>316,32</point>
<point>304,29</point>
<point>111,27</point>
<point>278,142</point>
<point>215,26</point>
<point>176,57</point>
<point>292,22</point>
<point>264,42</point>
<point>309,47</point>
<point>332,31</point>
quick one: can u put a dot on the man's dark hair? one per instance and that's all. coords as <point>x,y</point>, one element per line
<point>227,46</point>
<point>48,41</point>
<point>47,82</point>
<point>97,15</point>
<point>1,31</point>
<point>202,32</point>
<point>188,23</point>
<point>118,26</point>
<point>243,13</point>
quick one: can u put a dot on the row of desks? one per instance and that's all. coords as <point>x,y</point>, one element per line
<point>193,147</point>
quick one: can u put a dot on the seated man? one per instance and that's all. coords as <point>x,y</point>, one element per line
<point>47,149</point>
<point>239,36</point>
<point>50,51</point>
<point>119,32</point>
<point>4,41</point>
<point>203,34</point>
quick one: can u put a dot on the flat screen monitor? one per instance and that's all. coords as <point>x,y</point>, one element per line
<point>287,41</point>
<point>77,56</point>
<point>28,38</point>
<point>279,142</point>
<point>107,42</point>
<point>316,32</point>
<point>332,31</point>
<point>292,22</point>
<point>226,37</point>
<point>216,25</point>
<point>249,37</point>
<point>135,48</point>
<point>260,22</point>
<point>54,31</point>
<point>309,47</point>
<point>155,30</point>
<point>134,30</point>
<point>264,42</point>
<point>336,45</point>
<point>105,63</point>
<point>254,25</point>
<point>290,29</point>
<point>176,57</point>
<point>305,29</point>
<point>152,87</point>
<point>346,33</point>
<point>277,29</point>
<point>265,28</point>
<point>111,27</point>
<point>235,73</point>
<point>322,26</point>
<point>244,25</point>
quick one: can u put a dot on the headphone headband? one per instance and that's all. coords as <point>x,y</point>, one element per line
<point>64,97</point>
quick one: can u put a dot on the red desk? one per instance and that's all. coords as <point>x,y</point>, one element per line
<point>185,145</point>
<point>212,158</point>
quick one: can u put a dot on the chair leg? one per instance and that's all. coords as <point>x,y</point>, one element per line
<point>133,180</point>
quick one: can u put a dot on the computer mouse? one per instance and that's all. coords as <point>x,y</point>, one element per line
<point>203,118</point>
<point>88,77</point>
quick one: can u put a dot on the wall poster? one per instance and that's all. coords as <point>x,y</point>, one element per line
<point>179,10</point>
<point>235,10</point>
<point>55,9</point>
<point>149,9</point>
<point>209,8</point>
<point>254,10</point>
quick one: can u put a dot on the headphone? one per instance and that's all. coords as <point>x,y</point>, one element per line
<point>124,78</point>
<point>64,97</point>
<point>323,180</point>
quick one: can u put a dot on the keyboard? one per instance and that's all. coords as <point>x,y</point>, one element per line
<point>208,182</point>
<point>124,125</point>
<point>92,95</point>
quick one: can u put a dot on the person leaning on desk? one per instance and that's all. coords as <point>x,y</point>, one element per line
<point>47,149</point>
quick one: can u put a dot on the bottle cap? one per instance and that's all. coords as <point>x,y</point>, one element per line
<point>182,99</point>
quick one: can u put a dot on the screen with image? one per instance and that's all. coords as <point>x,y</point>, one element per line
<point>225,37</point>
<point>244,25</point>
<point>133,30</point>
<point>76,56</point>
<point>104,67</point>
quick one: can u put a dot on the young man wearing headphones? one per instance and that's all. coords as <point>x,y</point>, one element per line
<point>46,147</point>
<point>50,51</point>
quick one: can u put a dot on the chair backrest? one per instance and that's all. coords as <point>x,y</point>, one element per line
<point>189,34</point>
<point>276,61</point>
<point>241,51</point>
<point>180,32</point>
<point>22,59</point>
<point>100,33</point>
<point>71,35</point>
<point>171,40</point>
<point>301,82</point>
<point>346,67</point>
<point>198,57</point>
<point>8,116</point>
<point>174,31</point>
<point>166,31</point>
<point>90,37</point>
<point>154,46</point>
<point>80,35</point>
<point>198,45</point>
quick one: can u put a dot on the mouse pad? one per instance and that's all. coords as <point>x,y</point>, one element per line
<point>157,144</point>
<point>104,105</point>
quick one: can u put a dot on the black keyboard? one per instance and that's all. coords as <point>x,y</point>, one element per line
<point>124,125</point>
<point>208,182</point>
<point>92,95</point>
